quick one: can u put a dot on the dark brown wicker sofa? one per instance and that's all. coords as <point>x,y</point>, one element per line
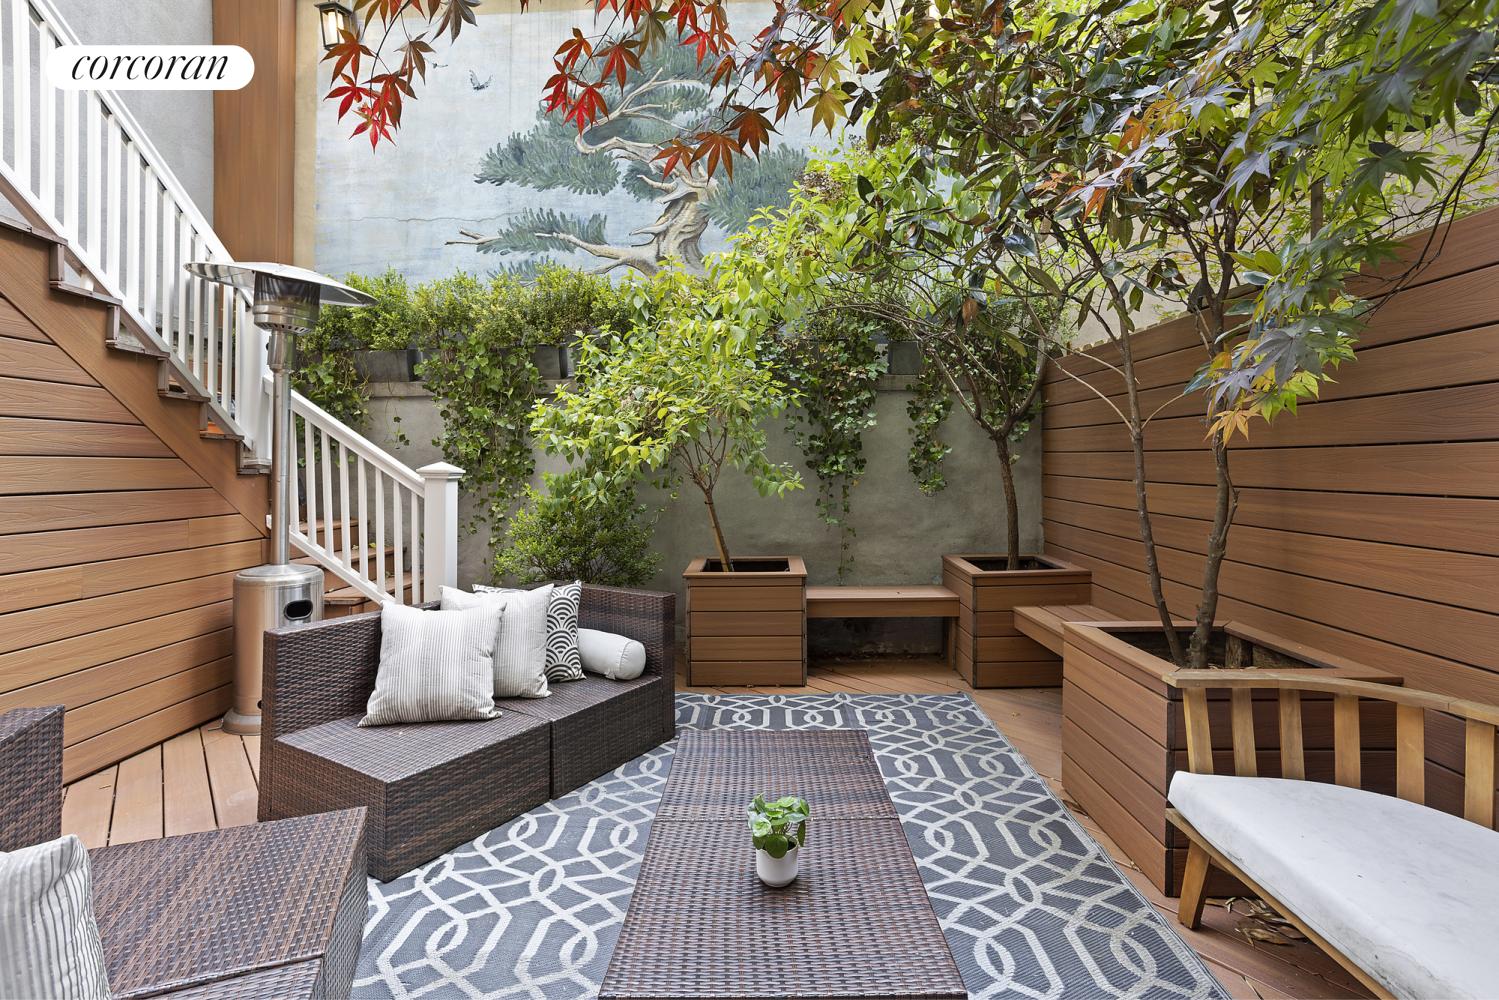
<point>432,786</point>
<point>270,910</point>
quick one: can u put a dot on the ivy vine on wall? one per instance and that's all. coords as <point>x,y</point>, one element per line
<point>835,366</point>
<point>928,406</point>
<point>478,337</point>
<point>326,372</point>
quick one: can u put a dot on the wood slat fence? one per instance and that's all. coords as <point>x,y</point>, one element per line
<point>1368,525</point>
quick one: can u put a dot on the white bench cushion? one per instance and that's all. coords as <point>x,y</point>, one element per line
<point>1409,893</point>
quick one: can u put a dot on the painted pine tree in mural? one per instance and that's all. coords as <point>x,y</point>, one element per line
<point>654,104</point>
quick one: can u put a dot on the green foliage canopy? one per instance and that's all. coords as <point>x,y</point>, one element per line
<point>557,535</point>
<point>682,398</point>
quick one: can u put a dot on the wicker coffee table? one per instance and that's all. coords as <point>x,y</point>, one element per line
<point>856,922</point>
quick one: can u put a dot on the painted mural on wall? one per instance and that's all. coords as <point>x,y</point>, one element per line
<point>481,180</point>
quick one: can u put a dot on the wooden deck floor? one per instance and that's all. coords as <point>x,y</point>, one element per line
<point>205,779</point>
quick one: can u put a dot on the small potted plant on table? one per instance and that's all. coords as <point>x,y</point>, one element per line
<point>776,844</point>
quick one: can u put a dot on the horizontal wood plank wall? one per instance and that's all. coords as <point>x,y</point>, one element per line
<point>117,550</point>
<point>1368,524</point>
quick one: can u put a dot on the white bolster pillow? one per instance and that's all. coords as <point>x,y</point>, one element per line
<point>614,656</point>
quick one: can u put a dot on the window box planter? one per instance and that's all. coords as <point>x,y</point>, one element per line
<point>903,357</point>
<point>388,366</point>
<point>1124,731</point>
<point>748,626</point>
<point>989,650</point>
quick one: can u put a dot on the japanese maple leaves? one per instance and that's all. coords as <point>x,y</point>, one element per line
<point>376,98</point>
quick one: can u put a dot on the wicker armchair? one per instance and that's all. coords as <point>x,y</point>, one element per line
<point>271,910</point>
<point>433,786</point>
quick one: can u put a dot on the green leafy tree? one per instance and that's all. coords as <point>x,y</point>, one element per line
<point>890,236</point>
<point>681,399</point>
<point>557,535</point>
<point>650,104</point>
<point>1148,145</point>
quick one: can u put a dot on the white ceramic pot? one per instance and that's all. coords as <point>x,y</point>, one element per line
<point>776,872</point>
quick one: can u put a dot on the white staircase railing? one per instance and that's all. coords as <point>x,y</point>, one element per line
<point>79,168</point>
<point>390,532</point>
<point>78,165</point>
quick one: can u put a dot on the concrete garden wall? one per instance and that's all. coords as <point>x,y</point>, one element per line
<point>902,534</point>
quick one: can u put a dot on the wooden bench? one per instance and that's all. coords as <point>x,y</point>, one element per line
<point>881,602</point>
<point>1399,893</point>
<point>1044,624</point>
<point>921,601</point>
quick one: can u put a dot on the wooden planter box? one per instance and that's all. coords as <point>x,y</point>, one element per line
<point>748,626</point>
<point>989,650</point>
<point>1124,732</point>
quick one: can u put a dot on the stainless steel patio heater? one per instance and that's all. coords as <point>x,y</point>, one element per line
<point>287,300</point>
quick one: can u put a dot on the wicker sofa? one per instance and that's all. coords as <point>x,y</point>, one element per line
<point>433,786</point>
<point>270,910</point>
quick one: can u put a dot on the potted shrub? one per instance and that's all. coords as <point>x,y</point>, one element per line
<point>683,398</point>
<point>778,829</point>
<point>557,535</point>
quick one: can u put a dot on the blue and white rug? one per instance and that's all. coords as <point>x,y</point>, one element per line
<point>1029,902</point>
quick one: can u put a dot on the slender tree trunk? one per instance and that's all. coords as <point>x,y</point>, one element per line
<point>1227,503</point>
<point>1012,504</point>
<point>1152,565</point>
<point>723,547</point>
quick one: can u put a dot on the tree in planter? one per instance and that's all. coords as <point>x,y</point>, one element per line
<point>1198,132</point>
<point>1060,138</point>
<point>681,399</point>
<point>1162,139</point>
<point>557,535</point>
<point>987,324</point>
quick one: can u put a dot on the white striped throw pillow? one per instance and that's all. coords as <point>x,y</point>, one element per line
<point>435,666</point>
<point>520,653</point>
<point>563,661</point>
<point>49,940</point>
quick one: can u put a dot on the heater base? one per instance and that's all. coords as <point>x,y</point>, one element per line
<point>241,725</point>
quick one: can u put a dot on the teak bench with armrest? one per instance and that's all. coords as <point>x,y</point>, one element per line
<point>1400,893</point>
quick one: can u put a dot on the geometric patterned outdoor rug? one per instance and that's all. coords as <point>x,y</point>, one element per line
<point>1030,904</point>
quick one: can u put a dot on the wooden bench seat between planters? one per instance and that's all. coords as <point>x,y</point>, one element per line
<point>882,602</point>
<point>1044,623</point>
<point>1400,893</point>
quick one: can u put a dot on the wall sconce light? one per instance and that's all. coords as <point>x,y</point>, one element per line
<point>334,18</point>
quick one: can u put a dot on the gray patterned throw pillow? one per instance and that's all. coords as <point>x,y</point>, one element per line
<point>563,661</point>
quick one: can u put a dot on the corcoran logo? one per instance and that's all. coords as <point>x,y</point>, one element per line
<point>149,67</point>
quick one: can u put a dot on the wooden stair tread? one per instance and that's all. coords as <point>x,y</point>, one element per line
<point>352,595</point>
